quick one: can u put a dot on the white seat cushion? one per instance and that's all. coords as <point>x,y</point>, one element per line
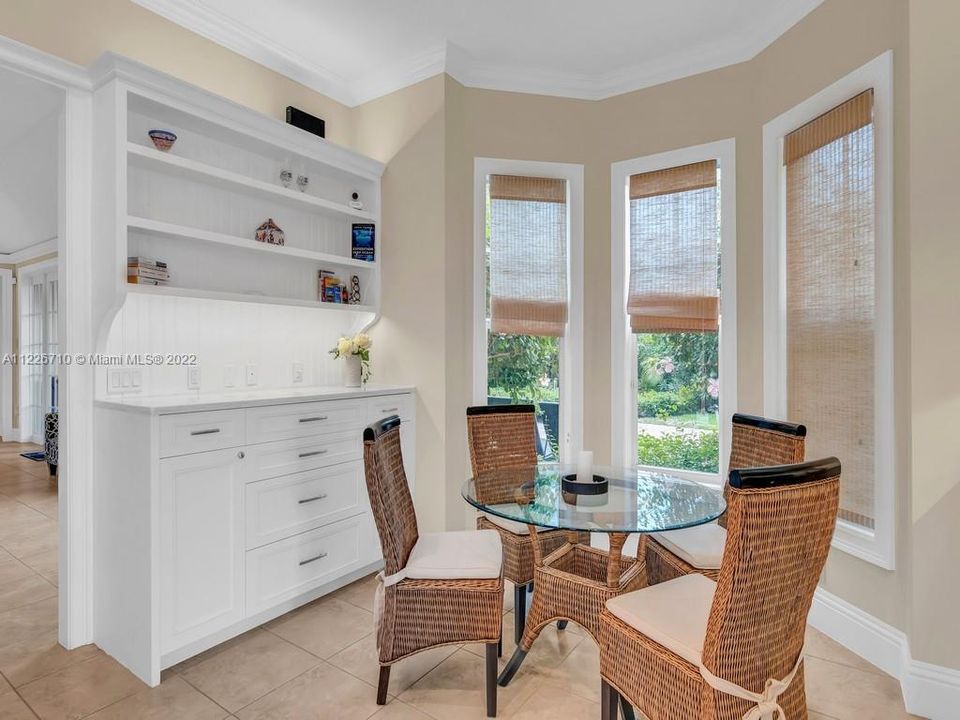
<point>466,554</point>
<point>701,545</point>
<point>673,613</point>
<point>517,528</point>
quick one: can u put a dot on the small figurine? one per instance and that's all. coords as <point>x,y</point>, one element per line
<point>270,233</point>
<point>302,182</point>
<point>286,177</point>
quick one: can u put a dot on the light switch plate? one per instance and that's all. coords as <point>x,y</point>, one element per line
<point>230,375</point>
<point>251,374</point>
<point>193,377</point>
<point>298,372</point>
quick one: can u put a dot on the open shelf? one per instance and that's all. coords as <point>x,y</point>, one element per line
<point>165,229</point>
<point>150,158</point>
<point>173,291</point>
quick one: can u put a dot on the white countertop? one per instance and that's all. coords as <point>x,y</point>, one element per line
<point>195,402</point>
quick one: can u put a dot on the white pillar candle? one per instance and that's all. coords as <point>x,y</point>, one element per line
<point>585,466</point>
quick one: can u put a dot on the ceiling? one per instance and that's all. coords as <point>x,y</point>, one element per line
<point>356,51</point>
<point>26,100</point>
<point>29,150</point>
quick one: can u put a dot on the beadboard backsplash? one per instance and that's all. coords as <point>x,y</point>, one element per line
<point>223,334</point>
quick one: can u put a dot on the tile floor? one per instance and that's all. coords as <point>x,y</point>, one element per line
<point>316,662</point>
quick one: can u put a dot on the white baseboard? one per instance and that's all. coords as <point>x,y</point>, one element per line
<point>930,691</point>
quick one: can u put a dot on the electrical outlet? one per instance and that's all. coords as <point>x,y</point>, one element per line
<point>229,375</point>
<point>193,377</point>
<point>114,382</point>
<point>125,380</point>
<point>251,374</point>
<point>136,379</point>
<point>298,372</point>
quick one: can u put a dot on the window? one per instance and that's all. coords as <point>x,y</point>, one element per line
<point>673,315</point>
<point>38,331</point>
<point>528,306</point>
<point>829,332</point>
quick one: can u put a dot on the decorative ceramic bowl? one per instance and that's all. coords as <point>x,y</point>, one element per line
<point>162,139</point>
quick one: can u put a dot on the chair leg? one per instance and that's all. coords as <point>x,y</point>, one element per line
<point>608,701</point>
<point>491,680</point>
<point>382,686</point>
<point>519,612</point>
<point>500,645</point>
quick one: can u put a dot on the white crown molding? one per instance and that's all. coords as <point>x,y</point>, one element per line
<point>225,31</point>
<point>730,50</point>
<point>929,691</point>
<point>400,75</point>
<point>26,60</point>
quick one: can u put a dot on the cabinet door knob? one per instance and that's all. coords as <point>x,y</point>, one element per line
<point>241,454</point>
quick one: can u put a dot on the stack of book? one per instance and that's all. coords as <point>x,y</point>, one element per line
<point>147,271</point>
<point>331,289</point>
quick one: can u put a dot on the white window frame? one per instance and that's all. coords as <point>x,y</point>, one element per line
<point>6,348</point>
<point>623,403</point>
<point>44,271</point>
<point>571,345</point>
<point>875,546</point>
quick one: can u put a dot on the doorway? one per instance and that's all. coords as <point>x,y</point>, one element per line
<point>33,191</point>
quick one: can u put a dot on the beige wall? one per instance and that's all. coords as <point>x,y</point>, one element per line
<point>429,134</point>
<point>933,188</point>
<point>407,131</point>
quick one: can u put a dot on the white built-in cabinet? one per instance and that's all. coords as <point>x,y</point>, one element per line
<point>214,517</point>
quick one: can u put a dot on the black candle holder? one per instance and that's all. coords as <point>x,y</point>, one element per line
<point>599,486</point>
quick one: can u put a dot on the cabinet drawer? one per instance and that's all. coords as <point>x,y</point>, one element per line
<point>282,422</point>
<point>285,569</point>
<point>197,432</point>
<point>387,405</point>
<point>290,456</point>
<point>291,504</point>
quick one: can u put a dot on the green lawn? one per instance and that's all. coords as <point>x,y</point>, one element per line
<point>702,421</point>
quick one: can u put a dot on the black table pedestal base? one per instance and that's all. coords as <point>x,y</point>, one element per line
<point>510,670</point>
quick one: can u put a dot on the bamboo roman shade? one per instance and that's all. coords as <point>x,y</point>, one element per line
<point>674,232</point>
<point>528,255</point>
<point>831,294</point>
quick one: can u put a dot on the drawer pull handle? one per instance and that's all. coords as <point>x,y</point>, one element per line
<point>314,419</point>
<point>321,556</point>
<point>312,453</point>
<point>311,499</point>
<point>393,409</point>
<point>210,431</point>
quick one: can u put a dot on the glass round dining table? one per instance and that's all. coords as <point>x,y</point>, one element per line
<point>575,581</point>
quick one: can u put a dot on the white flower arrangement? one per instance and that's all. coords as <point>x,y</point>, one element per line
<point>358,345</point>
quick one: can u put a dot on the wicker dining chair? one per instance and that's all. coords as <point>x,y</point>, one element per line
<point>436,588</point>
<point>502,437</point>
<point>693,647</point>
<point>755,442</point>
